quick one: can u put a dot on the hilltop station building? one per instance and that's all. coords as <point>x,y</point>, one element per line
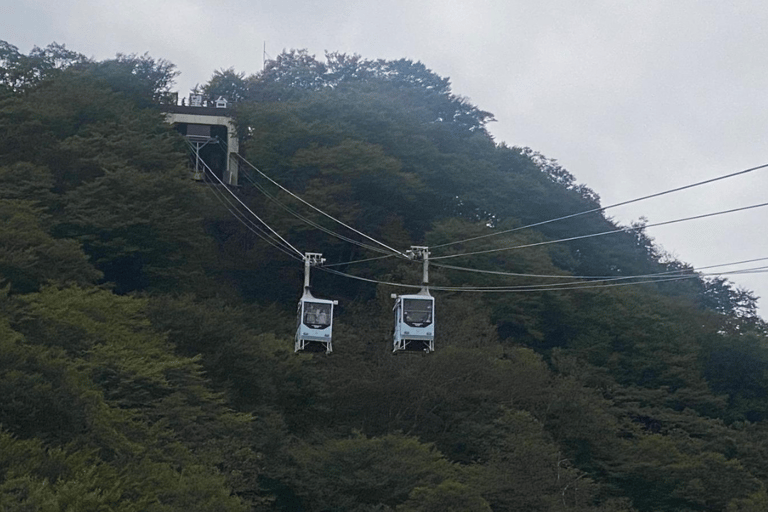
<point>211,133</point>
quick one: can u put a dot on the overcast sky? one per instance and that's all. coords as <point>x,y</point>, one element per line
<point>631,97</point>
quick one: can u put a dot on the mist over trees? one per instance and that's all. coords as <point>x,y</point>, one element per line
<point>146,333</point>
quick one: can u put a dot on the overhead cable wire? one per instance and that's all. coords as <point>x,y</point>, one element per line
<point>395,251</point>
<point>309,221</point>
<point>566,276</point>
<point>301,255</point>
<point>603,208</point>
<point>549,288</point>
<point>497,290</point>
<point>368,280</point>
<point>268,237</point>
<point>581,285</point>
<point>248,223</point>
<point>602,233</point>
<point>358,261</point>
<point>648,278</point>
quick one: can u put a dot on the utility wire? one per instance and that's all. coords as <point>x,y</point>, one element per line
<point>660,277</point>
<point>359,261</point>
<point>302,218</point>
<point>395,251</point>
<point>566,276</point>
<point>301,255</point>
<point>241,217</point>
<point>603,233</point>
<point>247,222</point>
<point>601,209</point>
<point>562,286</point>
<point>577,286</point>
<point>309,221</point>
<point>269,236</point>
<point>368,280</point>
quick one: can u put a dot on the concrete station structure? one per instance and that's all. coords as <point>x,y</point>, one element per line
<point>199,122</point>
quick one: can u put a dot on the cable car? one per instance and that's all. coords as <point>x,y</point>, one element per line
<point>314,319</point>
<point>414,323</point>
<point>415,314</point>
<point>314,324</point>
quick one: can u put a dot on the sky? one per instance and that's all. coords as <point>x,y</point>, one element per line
<point>632,98</point>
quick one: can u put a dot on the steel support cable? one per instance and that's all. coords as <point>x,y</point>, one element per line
<point>267,237</point>
<point>311,222</point>
<point>601,209</point>
<point>369,280</point>
<point>359,261</point>
<point>271,237</point>
<point>301,255</point>
<point>587,285</point>
<point>232,208</point>
<point>568,284</point>
<point>755,270</point>
<point>395,251</point>
<point>250,225</point>
<point>603,233</point>
<point>582,286</point>
<point>495,290</point>
<point>543,288</point>
<point>647,278</point>
<point>565,276</point>
<point>314,224</point>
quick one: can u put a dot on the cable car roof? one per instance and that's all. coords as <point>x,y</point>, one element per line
<point>420,296</point>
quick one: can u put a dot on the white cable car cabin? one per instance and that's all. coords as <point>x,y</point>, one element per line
<point>314,320</point>
<point>314,325</point>
<point>414,323</point>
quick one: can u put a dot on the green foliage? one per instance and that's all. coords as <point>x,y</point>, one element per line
<point>363,474</point>
<point>84,371</point>
<point>140,230</point>
<point>736,366</point>
<point>86,119</point>
<point>31,257</point>
<point>140,78</point>
<point>226,83</point>
<point>19,72</point>
<point>448,496</point>
<point>295,73</point>
<point>27,182</point>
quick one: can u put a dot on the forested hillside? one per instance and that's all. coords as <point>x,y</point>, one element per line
<point>146,329</point>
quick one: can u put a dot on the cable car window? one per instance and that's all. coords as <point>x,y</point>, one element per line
<point>417,312</point>
<point>317,316</point>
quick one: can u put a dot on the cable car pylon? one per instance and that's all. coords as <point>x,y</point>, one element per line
<point>314,322</point>
<point>415,314</point>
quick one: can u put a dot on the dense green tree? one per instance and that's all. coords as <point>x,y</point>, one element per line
<point>366,474</point>
<point>140,230</point>
<point>19,72</point>
<point>226,83</point>
<point>448,496</point>
<point>31,257</point>
<point>84,371</point>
